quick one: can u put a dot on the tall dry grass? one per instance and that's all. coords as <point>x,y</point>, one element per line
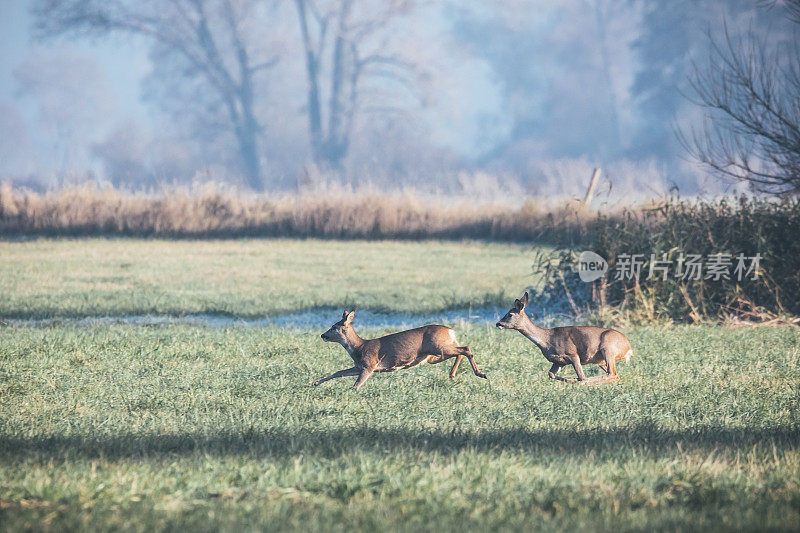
<point>215,211</point>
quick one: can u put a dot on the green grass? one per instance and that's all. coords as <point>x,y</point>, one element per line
<point>253,278</point>
<point>181,427</point>
<point>178,427</point>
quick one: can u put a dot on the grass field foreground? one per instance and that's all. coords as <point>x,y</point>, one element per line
<point>189,427</point>
<point>181,427</point>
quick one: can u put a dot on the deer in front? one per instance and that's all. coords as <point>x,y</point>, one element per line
<point>572,345</point>
<point>406,349</point>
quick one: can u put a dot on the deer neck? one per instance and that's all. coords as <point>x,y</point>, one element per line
<point>352,342</point>
<point>539,336</point>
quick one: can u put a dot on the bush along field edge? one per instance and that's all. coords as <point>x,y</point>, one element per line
<point>726,261</point>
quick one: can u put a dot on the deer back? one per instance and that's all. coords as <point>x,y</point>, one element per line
<point>405,348</point>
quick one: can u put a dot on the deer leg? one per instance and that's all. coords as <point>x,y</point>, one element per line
<point>611,362</point>
<point>433,359</point>
<point>610,366</point>
<point>453,370</point>
<point>354,371</point>
<point>459,352</point>
<point>554,370</point>
<point>364,374</point>
<point>471,359</point>
<point>600,379</point>
<point>576,364</point>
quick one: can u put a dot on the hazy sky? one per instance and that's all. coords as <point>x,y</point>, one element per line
<point>121,64</point>
<point>543,90</point>
<point>124,63</point>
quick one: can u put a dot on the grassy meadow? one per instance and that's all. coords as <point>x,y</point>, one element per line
<point>253,278</point>
<point>185,427</point>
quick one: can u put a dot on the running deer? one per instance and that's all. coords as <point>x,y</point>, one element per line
<point>572,345</point>
<point>406,349</point>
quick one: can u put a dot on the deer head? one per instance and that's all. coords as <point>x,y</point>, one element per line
<point>516,315</point>
<point>340,330</point>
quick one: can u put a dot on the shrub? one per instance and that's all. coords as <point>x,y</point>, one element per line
<point>675,229</point>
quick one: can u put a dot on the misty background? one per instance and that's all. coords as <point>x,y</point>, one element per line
<point>478,97</point>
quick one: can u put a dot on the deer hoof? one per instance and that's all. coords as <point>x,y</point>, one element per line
<point>315,384</point>
<point>481,375</point>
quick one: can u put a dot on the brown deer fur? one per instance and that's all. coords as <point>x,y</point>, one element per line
<point>406,349</point>
<point>571,345</point>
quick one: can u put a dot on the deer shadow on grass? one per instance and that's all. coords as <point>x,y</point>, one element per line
<point>332,443</point>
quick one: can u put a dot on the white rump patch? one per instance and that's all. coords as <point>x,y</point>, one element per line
<point>628,356</point>
<point>452,335</point>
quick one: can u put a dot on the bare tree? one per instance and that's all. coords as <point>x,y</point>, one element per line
<point>750,91</point>
<point>207,35</point>
<point>334,36</point>
<point>792,8</point>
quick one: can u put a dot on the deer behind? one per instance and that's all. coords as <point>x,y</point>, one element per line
<point>406,349</point>
<point>572,345</point>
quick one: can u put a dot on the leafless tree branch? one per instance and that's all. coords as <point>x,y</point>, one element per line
<point>216,52</point>
<point>750,92</point>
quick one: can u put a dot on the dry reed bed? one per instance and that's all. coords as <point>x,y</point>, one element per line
<point>213,211</point>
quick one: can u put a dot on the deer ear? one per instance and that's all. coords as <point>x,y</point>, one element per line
<point>524,299</point>
<point>350,316</point>
<point>344,314</point>
<point>518,305</point>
